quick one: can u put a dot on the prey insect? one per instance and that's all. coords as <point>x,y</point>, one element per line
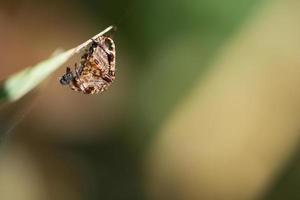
<point>96,70</point>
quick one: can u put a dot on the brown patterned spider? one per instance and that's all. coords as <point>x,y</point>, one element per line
<point>96,70</point>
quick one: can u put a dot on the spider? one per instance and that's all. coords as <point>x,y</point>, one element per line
<point>96,70</point>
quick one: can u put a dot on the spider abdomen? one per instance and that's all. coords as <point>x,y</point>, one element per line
<point>97,69</point>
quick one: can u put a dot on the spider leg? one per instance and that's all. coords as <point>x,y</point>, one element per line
<point>91,51</point>
<point>94,45</point>
<point>68,70</point>
<point>108,54</point>
<point>107,78</point>
<point>78,70</point>
<point>84,57</point>
<point>107,45</point>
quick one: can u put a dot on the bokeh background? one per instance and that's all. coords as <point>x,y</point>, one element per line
<point>206,104</point>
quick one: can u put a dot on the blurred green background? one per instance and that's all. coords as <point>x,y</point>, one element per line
<point>205,104</point>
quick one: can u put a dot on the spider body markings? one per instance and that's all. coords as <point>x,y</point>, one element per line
<point>96,70</point>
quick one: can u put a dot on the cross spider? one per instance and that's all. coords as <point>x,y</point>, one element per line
<point>96,70</point>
